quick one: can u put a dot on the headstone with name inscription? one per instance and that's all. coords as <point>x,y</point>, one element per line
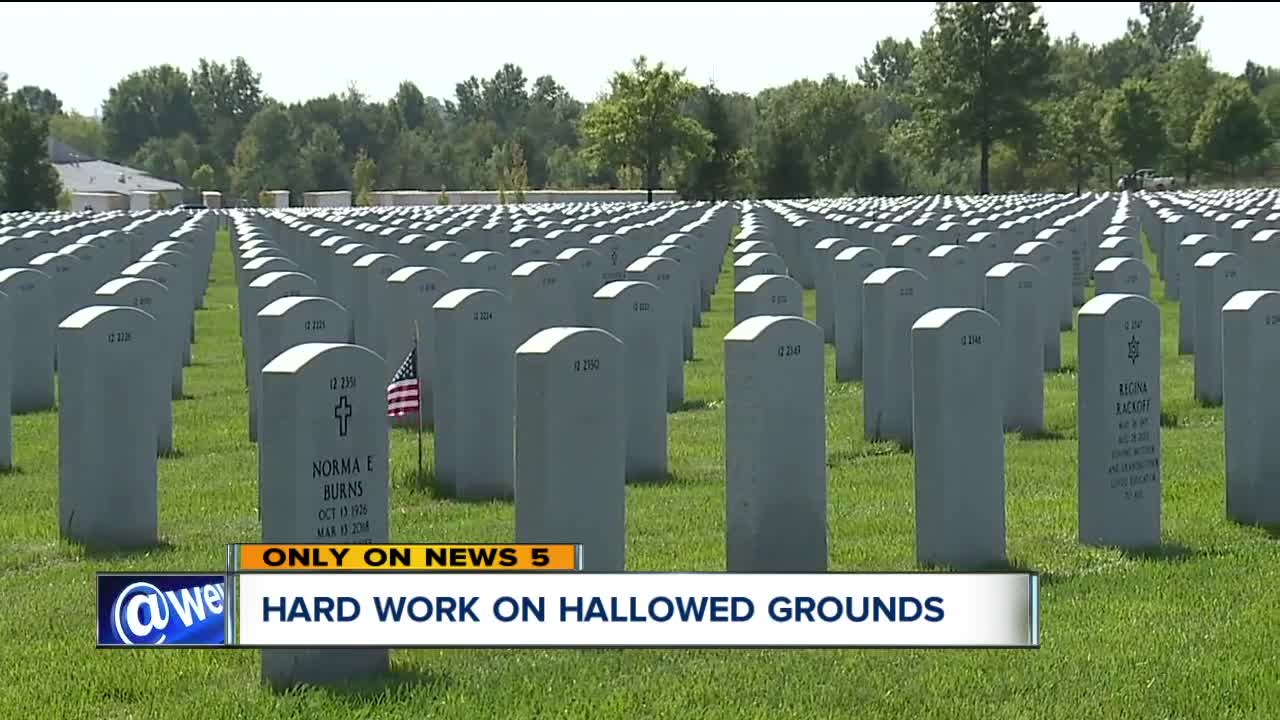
<point>570,444</point>
<point>893,299</point>
<point>1219,276</point>
<point>629,310</point>
<point>1251,406</point>
<point>1013,298</point>
<point>958,439</point>
<point>1118,416</point>
<point>107,473</point>
<point>473,394</point>
<point>852,267</point>
<point>32,307</point>
<point>323,477</point>
<point>775,446</point>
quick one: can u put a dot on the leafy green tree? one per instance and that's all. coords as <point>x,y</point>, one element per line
<point>202,179</point>
<point>1259,77</point>
<point>322,158</point>
<point>1076,133</point>
<point>266,157</point>
<point>518,173</point>
<point>364,176</point>
<point>1232,126</point>
<point>27,178</point>
<point>1170,28</point>
<point>889,66</point>
<point>1127,56</point>
<point>151,103</point>
<point>1183,86</point>
<point>1131,123</point>
<point>566,170</point>
<point>640,124</point>
<point>712,176</point>
<point>409,106</point>
<point>979,69</point>
<point>38,100</point>
<point>82,133</point>
<point>225,98</point>
<point>1270,101</point>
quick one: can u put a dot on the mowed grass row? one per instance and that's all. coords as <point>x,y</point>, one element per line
<point>1187,631</point>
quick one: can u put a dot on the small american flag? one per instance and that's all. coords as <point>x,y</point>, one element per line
<point>402,393</point>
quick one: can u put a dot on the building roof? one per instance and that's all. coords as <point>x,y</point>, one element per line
<point>82,173</point>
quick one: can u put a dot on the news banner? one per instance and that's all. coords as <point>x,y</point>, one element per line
<point>514,596</point>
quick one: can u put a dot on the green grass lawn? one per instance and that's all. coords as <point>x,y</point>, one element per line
<point>1191,631</point>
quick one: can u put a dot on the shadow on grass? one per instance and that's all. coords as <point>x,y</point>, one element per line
<point>31,413</point>
<point>1168,419</point>
<point>1047,435</point>
<point>123,553</point>
<point>1003,566</point>
<point>1207,404</point>
<point>656,479</point>
<point>12,470</point>
<point>1064,369</point>
<point>1272,531</point>
<point>694,406</point>
<point>173,454</point>
<point>426,483</point>
<point>184,397</point>
<point>869,450</point>
<point>394,685</point>
<point>1166,552</point>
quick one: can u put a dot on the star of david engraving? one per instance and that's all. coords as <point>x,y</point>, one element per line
<point>1134,353</point>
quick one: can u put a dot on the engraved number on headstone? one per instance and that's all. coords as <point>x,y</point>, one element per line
<point>1273,320</point>
<point>1229,274</point>
<point>778,299</point>
<point>640,307</point>
<point>586,365</point>
<point>664,277</point>
<point>345,382</point>
<point>342,412</point>
<point>313,325</point>
<point>482,315</point>
<point>427,287</point>
<point>1025,285</point>
<point>548,281</point>
<point>788,350</point>
<point>119,337</point>
<point>971,340</point>
<point>906,292</point>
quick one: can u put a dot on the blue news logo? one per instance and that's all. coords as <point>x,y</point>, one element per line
<point>166,610</point>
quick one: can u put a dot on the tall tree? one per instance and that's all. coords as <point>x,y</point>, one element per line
<point>712,177</point>
<point>980,68</point>
<point>266,157</point>
<point>27,178</point>
<point>364,176</point>
<point>889,66</point>
<point>151,103</point>
<point>225,98</point>
<point>409,106</point>
<point>1232,126</point>
<point>38,100</point>
<point>1131,123</point>
<point>1183,86</point>
<point>1076,134</point>
<point>1170,28</point>
<point>640,124</point>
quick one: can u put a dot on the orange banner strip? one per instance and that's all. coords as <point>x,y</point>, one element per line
<point>406,558</point>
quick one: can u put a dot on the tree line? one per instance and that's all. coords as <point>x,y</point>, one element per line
<point>984,100</point>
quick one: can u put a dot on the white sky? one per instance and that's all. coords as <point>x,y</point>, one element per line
<point>303,50</point>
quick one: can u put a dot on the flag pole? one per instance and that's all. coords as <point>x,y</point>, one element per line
<point>417,361</point>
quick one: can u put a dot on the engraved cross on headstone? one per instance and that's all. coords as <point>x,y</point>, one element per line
<point>342,417</point>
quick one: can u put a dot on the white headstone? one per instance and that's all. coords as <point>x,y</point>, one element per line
<point>629,310</point>
<point>147,296</point>
<point>541,297</point>
<point>1219,276</point>
<point>370,309</point>
<point>852,267</point>
<point>664,274</point>
<point>6,382</point>
<point>1119,422</point>
<point>767,295</point>
<point>953,278</point>
<point>323,478</point>
<point>412,293</point>
<point>1122,275</point>
<point>893,299</point>
<point>1189,251</point>
<point>958,439</point>
<point>1013,299</point>
<point>1251,412</point>
<point>570,444</point>
<point>32,307</point>
<point>825,253</point>
<point>474,394</point>
<point>581,265</point>
<point>485,269</point>
<point>1046,258</point>
<point>775,446</point>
